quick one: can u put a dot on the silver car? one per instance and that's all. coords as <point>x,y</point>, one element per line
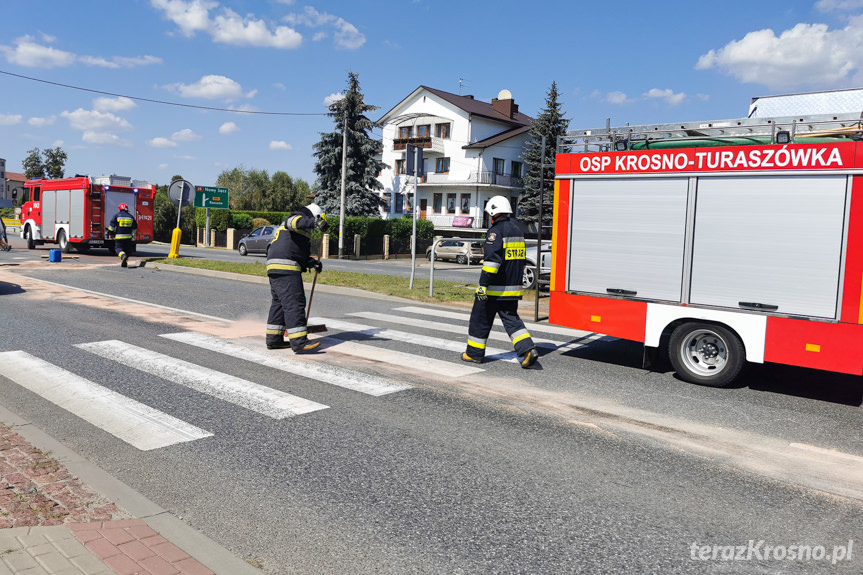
<point>528,278</point>
<point>258,241</point>
<point>458,250</point>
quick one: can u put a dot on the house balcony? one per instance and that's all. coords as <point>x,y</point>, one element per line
<point>429,144</point>
<point>489,179</point>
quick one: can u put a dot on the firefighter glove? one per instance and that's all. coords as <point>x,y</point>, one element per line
<point>321,224</point>
<point>480,293</point>
<point>315,265</point>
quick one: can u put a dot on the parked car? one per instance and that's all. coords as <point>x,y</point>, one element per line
<point>458,250</point>
<point>258,241</point>
<point>528,278</point>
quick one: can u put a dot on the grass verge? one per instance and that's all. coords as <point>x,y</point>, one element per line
<point>444,292</point>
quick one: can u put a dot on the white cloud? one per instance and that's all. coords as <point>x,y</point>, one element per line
<point>211,87</point>
<point>333,98</point>
<point>616,98</point>
<point>839,5</point>
<point>185,135</point>
<point>10,119</point>
<point>120,61</point>
<point>186,157</point>
<point>805,55</point>
<point>162,143</point>
<point>668,95</point>
<point>40,122</point>
<point>346,35</point>
<point>29,54</point>
<point>163,166</point>
<point>102,138</point>
<point>228,128</point>
<point>94,120</point>
<point>118,104</point>
<point>280,145</point>
<point>228,27</point>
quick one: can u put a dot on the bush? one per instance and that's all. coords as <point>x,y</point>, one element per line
<point>258,222</point>
<point>243,221</point>
<point>220,220</point>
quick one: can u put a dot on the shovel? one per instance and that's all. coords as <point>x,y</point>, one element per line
<point>313,328</point>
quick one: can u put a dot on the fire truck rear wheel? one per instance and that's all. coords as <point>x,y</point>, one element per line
<point>63,242</point>
<point>706,354</point>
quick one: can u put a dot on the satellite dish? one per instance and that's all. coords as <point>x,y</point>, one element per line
<point>180,192</point>
<point>504,95</point>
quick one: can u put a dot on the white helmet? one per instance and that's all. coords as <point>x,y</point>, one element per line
<point>316,210</point>
<point>498,205</point>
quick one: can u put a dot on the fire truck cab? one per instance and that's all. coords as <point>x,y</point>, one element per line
<point>719,243</point>
<point>74,212</point>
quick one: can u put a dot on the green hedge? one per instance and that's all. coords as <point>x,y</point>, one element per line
<point>221,220</point>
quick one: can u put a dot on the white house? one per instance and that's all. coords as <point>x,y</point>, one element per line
<point>472,151</point>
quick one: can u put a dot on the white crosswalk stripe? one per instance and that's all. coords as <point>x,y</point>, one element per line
<point>419,363</point>
<point>261,399</point>
<point>407,337</point>
<point>135,423</point>
<point>332,374</point>
<point>461,330</point>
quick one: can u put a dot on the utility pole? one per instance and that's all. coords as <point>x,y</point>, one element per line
<point>415,206</point>
<point>344,175</point>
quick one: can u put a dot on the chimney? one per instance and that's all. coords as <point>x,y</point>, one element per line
<point>504,104</point>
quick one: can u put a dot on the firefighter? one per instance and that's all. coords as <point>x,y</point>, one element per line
<point>122,227</point>
<point>499,287</point>
<point>288,256</point>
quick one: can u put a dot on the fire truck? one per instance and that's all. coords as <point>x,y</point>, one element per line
<point>74,212</point>
<point>716,243</point>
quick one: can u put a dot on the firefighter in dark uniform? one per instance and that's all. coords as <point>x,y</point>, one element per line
<point>499,289</point>
<point>122,227</point>
<point>289,256</point>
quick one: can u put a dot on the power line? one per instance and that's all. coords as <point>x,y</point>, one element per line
<point>166,103</point>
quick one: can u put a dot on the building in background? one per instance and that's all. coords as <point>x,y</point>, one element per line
<point>472,151</point>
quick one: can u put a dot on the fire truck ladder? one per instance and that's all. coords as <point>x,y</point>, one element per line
<point>542,283</point>
<point>762,130</point>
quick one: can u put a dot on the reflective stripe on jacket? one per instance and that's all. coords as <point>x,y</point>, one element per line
<point>123,226</point>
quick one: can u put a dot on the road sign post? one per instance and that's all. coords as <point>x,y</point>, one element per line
<point>210,197</point>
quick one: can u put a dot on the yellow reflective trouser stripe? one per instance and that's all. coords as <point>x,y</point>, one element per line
<point>123,237</point>
<point>303,333</point>
<point>518,338</point>
<point>275,329</point>
<point>476,344</point>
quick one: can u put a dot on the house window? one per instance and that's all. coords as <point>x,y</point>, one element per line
<point>441,165</point>
<point>400,203</point>
<point>405,132</point>
<point>387,199</point>
<point>465,203</point>
<point>424,131</point>
<point>438,203</point>
<point>409,203</point>
<point>450,203</point>
<point>516,169</point>
<point>400,167</point>
<point>442,131</point>
<point>498,166</point>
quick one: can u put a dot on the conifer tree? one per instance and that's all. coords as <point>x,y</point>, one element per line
<point>550,124</point>
<point>363,167</point>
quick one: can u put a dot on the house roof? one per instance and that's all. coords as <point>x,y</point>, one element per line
<point>469,105</point>
<point>498,138</point>
<point>15,176</point>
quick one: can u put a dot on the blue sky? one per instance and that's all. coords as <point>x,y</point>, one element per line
<point>633,61</point>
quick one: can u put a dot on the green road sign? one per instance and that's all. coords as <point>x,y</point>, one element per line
<point>207,197</point>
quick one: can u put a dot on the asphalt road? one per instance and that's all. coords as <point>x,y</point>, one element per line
<point>587,465</point>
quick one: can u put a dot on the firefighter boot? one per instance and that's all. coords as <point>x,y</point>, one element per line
<point>529,358</point>
<point>124,261</point>
<point>277,343</point>
<point>466,357</point>
<point>307,347</point>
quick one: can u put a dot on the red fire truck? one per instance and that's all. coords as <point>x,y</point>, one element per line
<point>74,212</point>
<point>719,243</point>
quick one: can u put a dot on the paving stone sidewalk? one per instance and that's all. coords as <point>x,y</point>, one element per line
<point>51,523</point>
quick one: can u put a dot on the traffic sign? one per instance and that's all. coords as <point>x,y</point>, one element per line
<point>180,192</point>
<point>209,197</point>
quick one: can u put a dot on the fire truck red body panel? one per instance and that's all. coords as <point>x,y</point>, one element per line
<point>764,239</point>
<point>74,212</point>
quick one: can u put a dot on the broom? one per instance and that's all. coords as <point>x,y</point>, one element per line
<point>313,328</point>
